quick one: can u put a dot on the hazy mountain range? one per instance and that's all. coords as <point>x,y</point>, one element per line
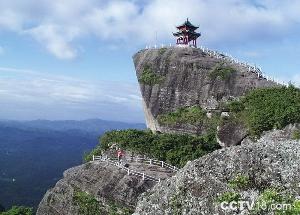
<point>89,125</point>
<point>34,154</point>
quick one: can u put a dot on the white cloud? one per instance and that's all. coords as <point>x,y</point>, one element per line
<point>10,20</point>
<point>58,24</point>
<point>67,97</point>
<point>56,39</point>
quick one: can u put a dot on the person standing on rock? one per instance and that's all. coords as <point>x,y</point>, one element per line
<point>120,154</point>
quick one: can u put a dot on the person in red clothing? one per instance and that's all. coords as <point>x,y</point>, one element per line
<point>120,154</point>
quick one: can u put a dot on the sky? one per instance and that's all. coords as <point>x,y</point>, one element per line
<point>72,59</point>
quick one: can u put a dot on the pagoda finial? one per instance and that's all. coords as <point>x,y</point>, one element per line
<point>187,19</point>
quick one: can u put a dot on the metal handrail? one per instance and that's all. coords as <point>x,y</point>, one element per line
<point>129,171</point>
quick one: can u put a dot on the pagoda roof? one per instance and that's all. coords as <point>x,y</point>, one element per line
<point>187,23</point>
<point>191,33</point>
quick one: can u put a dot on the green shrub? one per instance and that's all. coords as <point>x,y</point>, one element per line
<point>229,197</point>
<point>116,209</point>
<point>222,71</point>
<point>240,182</point>
<point>176,204</point>
<point>87,203</point>
<point>268,197</point>
<point>212,123</point>
<point>88,156</point>
<point>175,149</point>
<point>162,51</point>
<point>296,208</point>
<point>188,115</point>
<point>236,106</point>
<point>18,210</point>
<point>296,135</point>
<point>148,77</point>
<point>265,109</point>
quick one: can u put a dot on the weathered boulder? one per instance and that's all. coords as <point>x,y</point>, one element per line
<point>109,185</point>
<point>270,168</point>
<point>231,133</point>
<point>276,135</point>
<point>171,78</point>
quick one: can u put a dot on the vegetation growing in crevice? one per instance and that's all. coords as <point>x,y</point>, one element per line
<point>264,109</point>
<point>87,203</point>
<point>18,210</point>
<point>187,115</point>
<point>222,71</point>
<point>176,201</point>
<point>296,135</point>
<point>239,182</point>
<point>148,77</point>
<point>175,204</point>
<point>229,197</point>
<point>175,149</point>
<point>115,209</point>
<point>162,50</point>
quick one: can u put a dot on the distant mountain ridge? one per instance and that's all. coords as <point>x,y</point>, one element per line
<point>34,154</point>
<point>88,125</point>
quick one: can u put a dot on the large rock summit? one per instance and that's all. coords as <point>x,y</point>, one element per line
<point>265,172</point>
<point>190,90</point>
<point>177,77</point>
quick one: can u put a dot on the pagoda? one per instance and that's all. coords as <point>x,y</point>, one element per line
<point>186,34</point>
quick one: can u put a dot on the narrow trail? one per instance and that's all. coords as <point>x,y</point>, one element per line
<point>147,169</point>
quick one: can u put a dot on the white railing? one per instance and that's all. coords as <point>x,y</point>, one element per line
<point>248,67</point>
<point>156,163</point>
<point>151,162</point>
<point>128,170</point>
<point>220,55</point>
<point>159,46</point>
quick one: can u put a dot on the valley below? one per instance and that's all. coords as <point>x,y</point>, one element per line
<point>34,154</point>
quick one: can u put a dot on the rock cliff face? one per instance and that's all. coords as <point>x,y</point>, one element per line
<point>268,170</point>
<point>185,77</point>
<point>107,184</point>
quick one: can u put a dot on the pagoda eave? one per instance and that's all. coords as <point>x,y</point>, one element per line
<point>186,26</point>
<point>191,34</point>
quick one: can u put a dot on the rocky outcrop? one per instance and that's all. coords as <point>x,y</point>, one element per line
<point>231,133</point>
<point>183,77</point>
<point>276,135</point>
<point>269,167</point>
<point>107,184</point>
